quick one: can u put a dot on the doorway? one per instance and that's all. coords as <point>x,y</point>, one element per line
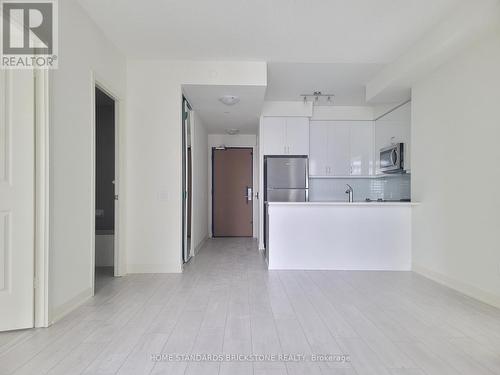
<point>187,178</point>
<point>105,161</point>
<point>232,192</point>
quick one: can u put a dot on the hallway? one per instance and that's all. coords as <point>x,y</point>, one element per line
<point>227,302</point>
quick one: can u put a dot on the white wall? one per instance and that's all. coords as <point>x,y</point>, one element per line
<point>456,172</point>
<point>464,25</point>
<point>199,226</point>
<point>82,48</point>
<point>154,152</point>
<point>298,108</point>
<point>241,140</point>
<point>343,113</point>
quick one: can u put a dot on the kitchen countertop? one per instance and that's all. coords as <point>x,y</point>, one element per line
<point>344,203</point>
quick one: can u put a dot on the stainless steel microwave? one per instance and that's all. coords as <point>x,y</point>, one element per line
<point>392,158</point>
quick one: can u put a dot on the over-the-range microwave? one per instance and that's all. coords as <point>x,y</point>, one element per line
<point>392,158</point>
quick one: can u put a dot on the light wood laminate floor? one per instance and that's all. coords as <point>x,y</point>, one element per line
<point>395,323</point>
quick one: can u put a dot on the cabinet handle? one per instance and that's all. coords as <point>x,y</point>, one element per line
<point>284,149</point>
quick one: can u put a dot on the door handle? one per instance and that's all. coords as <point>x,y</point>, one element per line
<point>249,193</point>
<point>394,157</point>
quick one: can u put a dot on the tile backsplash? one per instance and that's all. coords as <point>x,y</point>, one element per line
<point>384,187</point>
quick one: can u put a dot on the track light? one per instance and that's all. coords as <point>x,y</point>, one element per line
<point>317,97</point>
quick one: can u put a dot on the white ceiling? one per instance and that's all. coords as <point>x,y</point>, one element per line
<point>334,46</point>
<point>287,81</point>
<point>333,31</point>
<point>217,116</point>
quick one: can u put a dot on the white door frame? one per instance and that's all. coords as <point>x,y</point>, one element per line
<point>42,313</point>
<point>97,82</point>
<point>229,142</point>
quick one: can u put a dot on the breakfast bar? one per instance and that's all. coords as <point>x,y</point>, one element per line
<point>339,235</point>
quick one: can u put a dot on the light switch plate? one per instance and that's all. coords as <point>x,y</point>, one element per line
<point>163,196</point>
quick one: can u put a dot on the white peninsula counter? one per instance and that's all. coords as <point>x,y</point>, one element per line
<point>339,235</point>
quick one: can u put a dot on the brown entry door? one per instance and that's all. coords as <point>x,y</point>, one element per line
<point>232,192</point>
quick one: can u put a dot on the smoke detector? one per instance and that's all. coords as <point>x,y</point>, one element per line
<point>229,99</point>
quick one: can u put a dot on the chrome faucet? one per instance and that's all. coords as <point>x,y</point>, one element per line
<point>350,191</point>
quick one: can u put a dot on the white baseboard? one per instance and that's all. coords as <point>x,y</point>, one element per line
<point>467,289</point>
<point>152,268</point>
<point>200,245</point>
<point>59,312</point>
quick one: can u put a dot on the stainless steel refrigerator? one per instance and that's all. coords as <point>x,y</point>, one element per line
<point>286,179</point>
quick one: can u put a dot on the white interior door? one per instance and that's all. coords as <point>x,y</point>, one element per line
<point>16,199</point>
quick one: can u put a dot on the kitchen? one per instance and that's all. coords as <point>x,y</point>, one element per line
<point>337,188</point>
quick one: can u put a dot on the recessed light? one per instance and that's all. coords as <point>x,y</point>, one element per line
<point>229,99</point>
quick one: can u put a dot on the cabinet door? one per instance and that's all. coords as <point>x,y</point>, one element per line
<point>318,154</point>
<point>361,138</point>
<point>297,135</point>
<point>273,137</point>
<point>339,149</point>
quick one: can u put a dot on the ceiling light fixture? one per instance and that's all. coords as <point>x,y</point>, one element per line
<point>232,131</point>
<point>318,98</point>
<point>229,99</point>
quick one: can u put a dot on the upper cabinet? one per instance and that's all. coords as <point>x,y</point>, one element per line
<point>341,148</point>
<point>297,135</point>
<point>361,152</point>
<point>318,150</point>
<point>395,127</point>
<point>274,135</point>
<point>285,135</point>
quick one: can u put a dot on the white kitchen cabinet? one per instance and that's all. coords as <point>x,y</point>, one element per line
<point>273,137</point>
<point>341,148</point>
<point>285,136</point>
<point>361,148</point>
<point>318,149</point>
<point>297,135</point>
<point>339,162</point>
